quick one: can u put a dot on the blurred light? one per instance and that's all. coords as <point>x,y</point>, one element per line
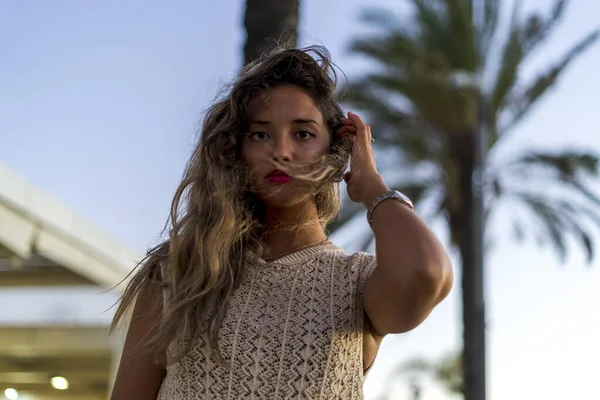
<point>11,394</point>
<point>59,383</point>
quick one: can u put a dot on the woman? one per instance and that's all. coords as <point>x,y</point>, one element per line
<point>248,298</point>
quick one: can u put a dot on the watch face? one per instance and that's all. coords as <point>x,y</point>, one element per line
<point>404,198</point>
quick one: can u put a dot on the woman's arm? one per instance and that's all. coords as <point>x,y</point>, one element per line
<point>413,272</point>
<point>139,377</point>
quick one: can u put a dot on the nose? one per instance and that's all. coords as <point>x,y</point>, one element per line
<point>282,149</point>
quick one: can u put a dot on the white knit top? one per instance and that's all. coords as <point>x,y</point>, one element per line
<point>293,330</point>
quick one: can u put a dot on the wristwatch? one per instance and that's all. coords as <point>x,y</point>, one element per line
<point>392,194</point>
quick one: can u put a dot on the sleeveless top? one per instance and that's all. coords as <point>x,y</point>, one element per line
<point>292,330</point>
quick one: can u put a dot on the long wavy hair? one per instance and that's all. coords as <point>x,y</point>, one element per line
<point>215,217</point>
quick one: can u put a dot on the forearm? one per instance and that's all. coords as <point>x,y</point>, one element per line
<point>409,256</point>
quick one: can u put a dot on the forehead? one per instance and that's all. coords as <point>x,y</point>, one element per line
<point>285,103</point>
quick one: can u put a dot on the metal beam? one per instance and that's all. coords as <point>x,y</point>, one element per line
<point>31,222</point>
<point>54,341</point>
<point>42,277</point>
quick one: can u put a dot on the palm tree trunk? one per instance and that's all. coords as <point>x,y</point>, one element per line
<point>268,22</point>
<point>462,222</point>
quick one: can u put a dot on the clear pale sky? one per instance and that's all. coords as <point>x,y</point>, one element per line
<point>99,103</point>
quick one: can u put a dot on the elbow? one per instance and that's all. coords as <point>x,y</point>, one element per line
<point>436,279</point>
<point>431,287</point>
<point>398,303</point>
<point>427,289</point>
<point>431,275</point>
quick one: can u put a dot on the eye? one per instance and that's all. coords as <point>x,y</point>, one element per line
<point>305,135</point>
<point>258,136</point>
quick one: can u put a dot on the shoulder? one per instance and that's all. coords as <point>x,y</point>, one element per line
<point>360,262</point>
<point>359,259</point>
<point>364,263</point>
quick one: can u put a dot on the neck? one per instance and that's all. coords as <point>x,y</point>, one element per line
<point>290,228</point>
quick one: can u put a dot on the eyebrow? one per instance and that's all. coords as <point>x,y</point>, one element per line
<point>296,121</point>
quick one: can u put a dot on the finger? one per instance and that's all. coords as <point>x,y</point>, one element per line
<point>346,130</point>
<point>371,142</point>
<point>368,137</point>
<point>362,133</point>
<point>343,123</point>
<point>350,127</point>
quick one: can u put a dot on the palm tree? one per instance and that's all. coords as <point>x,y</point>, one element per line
<point>447,372</point>
<point>425,120</point>
<point>268,22</point>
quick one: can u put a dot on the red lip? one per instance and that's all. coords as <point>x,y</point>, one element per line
<point>276,172</point>
<point>278,176</point>
<point>280,179</point>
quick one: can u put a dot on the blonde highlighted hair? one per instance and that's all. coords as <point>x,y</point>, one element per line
<point>215,217</point>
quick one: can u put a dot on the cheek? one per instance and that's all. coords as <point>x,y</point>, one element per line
<point>315,149</point>
<point>324,149</point>
<point>251,159</point>
<point>248,156</point>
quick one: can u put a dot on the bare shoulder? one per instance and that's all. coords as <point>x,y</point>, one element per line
<point>139,376</point>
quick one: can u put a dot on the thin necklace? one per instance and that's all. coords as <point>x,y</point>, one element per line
<point>306,246</point>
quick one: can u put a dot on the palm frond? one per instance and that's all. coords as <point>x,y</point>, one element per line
<point>537,28</point>
<point>432,25</point>
<point>384,20</point>
<point>570,167</point>
<point>395,49</point>
<point>518,230</point>
<point>418,365</point>
<point>447,371</point>
<point>523,100</point>
<point>510,61</point>
<point>428,90</point>
<point>568,162</point>
<point>378,88</point>
<point>420,74</point>
<point>396,128</point>
<point>510,101</point>
<point>417,111</point>
<point>551,221</point>
<point>561,218</point>
<point>461,50</point>
<point>492,17</point>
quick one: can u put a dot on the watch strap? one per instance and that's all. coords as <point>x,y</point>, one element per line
<point>392,194</point>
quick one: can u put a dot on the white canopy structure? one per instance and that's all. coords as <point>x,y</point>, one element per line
<point>48,250</point>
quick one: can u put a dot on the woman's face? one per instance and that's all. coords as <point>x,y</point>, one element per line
<point>286,131</point>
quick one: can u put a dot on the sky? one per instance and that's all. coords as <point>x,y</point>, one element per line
<point>100,103</point>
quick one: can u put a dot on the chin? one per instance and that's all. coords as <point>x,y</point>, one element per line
<point>284,198</point>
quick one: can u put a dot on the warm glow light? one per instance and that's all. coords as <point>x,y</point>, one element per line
<point>60,383</point>
<point>11,394</point>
